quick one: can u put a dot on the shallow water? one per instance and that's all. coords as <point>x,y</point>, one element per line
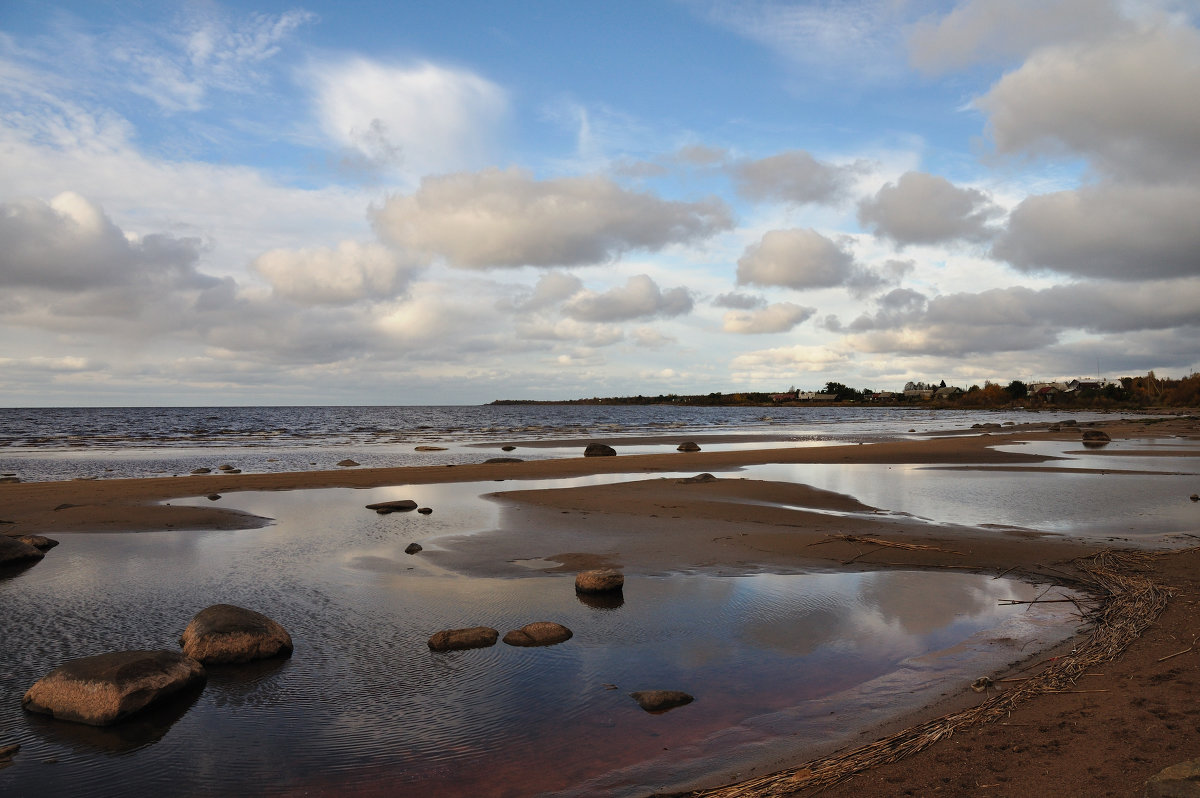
<point>363,707</point>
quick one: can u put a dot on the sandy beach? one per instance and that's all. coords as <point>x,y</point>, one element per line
<point>1118,725</point>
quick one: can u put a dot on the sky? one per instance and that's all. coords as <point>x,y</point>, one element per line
<point>238,203</point>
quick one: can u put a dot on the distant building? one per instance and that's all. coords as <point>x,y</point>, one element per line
<point>809,396</point>
<point>948,392</point>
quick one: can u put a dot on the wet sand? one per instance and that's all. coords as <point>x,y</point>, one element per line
<point>1079,743</point>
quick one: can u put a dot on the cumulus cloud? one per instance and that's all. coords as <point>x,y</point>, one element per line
<point>70,244</point>
<point>1127,103</point>
<point>550,289</point>
<point>776,318</point>
<point>324,276</point>
<point>421,118</point>
<point>569,330</point>
<point>639,298</point>
<point>499,218</point>
<point>795,259</point>
<point>651,338</point>
<point>794,176</point>
<point>997,30</point>
<point>921,208</point>
<point>1120,232</point>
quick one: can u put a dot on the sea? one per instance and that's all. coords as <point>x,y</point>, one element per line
<point>782,662</point>
<point>40,444</point>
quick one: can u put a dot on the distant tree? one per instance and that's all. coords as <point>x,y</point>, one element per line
<point>943,385</point>
<point>1017,389</point>
<point>842,392</point>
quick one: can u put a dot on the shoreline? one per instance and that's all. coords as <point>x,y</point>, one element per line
<point>735,525</point>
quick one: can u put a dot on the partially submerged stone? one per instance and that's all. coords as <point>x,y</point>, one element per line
<point>39,542</point>
<point>705,477</point>
<point>661,700</point>
<point>397,506</point>
<point>599,580</point>
<point>225,634</point>
<point>413,548</point>
<point>599,450</point>
<point>688,446</point>
<point>430,449</point>
<point>539,633</point>
<point>504,460</point>
<point>462,639</point>
<point>15,552</point>
<point>106,688</point>
<point>425,510</point>
<point>1095,437</point>
<point>348,463</point>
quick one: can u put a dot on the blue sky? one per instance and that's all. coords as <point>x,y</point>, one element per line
<point>245,203</point>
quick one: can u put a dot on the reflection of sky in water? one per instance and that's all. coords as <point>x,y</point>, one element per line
<point>364,707</point>
<point>1071,503</point>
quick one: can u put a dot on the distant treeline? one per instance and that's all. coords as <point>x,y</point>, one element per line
<point>1127,392</point>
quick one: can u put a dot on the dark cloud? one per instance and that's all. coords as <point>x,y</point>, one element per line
<point>921,208</point>
<point>1119,232</point>
<point>507,218</point>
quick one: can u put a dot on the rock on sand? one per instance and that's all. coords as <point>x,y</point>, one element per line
<point>13,551</point>
<point>224,634</point>
<point>103,689</point>
<point>1177,781</point>
<point>688,446</point>
<point>599,450</point>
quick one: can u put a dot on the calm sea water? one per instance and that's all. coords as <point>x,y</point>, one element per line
<point>64,443</point>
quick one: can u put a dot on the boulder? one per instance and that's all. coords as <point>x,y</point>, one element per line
<point>507,448</point>
<point>10,479</point>
<point>599,450</point>
<point>1094,438</point>
<point>212,497</point>
<point>39,542</point>
<point>461,639</point>
<point>13,551</point>
<point>226,467</point>
<point>425,510</point>
<point>504,460</point>
<point>399,505</point>
<point>413,548</point>
<point>348,463</point>
<point>202,470</point>
<point>539,633</point>
<point>698,478</point>
<point>1195,497</point>
<point>224,634</point>
<point>661,700</point>
<point>430,449</point>
<point>106,688</point>
<point>688,446</point>
<point>1177,781</point>
<point>600,580</point>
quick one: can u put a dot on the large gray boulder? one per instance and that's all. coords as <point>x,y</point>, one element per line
<point>17,552</point>
<point>106,688</point>
<point>661,700</point>
<point>462,639</point>
<point>225,634</point>
<point>1176,781</point>
<point>539,633</point>
<point>600,580</point>
<point>599,450</point>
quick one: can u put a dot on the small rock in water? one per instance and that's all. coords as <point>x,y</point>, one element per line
<point>504,460</point>
<point>1195,497</point>
<point>706,477</point>
<point>212,497</point>
<point>348,463</point>
<point>508,448</point>
<point>13,551</point>
<point>224,633</point>
<point>599,580</point>
<point>599,450</point>
<point>661,700</point>
<point>462,639</point>
<point>430,449</point>
<point>9,480</point>
<point>226,467</point>
<point>399,505</point>
<point>413,548</point>
<point>39,542</point>
<point>688,446</point>
<point>425,510</point>
<point>201,470</point>
<point>539,633</point>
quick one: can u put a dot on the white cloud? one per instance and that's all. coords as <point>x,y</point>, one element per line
<point>921,208</point>
<point>781,364</point>
<point>776,318</point>
<point>506,218</point>
<point>318,276</point>
<point>798,259</point>
<point>997,30</point>
<point>639,298</point>
<point>419,119</point>
<point>739,301</point>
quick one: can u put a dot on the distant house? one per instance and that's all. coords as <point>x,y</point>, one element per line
<point>948,392</point>
<point>882,396</point>
<point>918,390</point>
<point>809,396</point>
<point>1046,392</point>
<point>783,397</point>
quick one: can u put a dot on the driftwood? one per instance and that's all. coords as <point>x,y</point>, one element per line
<point>1127,603</point>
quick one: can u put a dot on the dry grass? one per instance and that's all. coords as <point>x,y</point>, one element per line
<point>1127,603</point>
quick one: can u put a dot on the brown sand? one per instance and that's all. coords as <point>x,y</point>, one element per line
<point>1079,743</point>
